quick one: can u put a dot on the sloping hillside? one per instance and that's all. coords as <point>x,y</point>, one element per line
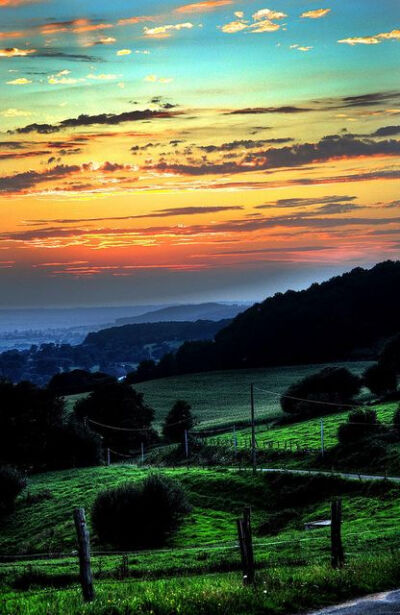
<point>347,317</point>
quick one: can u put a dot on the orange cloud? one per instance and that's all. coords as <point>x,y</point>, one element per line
<point>16,2</point>
<point>12,52</point>
<point>133,20</point>
<point>15,34</point>
<point>316,14</point>
<point>200,7</point>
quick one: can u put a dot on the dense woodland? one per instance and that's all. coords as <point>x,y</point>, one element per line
<point>349,317</point>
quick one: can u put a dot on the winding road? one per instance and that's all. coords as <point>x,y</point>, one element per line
<point>387,603</point>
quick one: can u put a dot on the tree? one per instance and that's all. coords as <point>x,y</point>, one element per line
<point>118,405</point>
<point>77,381</point>
<point>321,393</point>
<point>390,355</point>
<point>29,418</point>
<point>380,379</point>
<point>178,420</point>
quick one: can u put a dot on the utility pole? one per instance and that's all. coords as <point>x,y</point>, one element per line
<point>253,431</point>
<point>322,438</point>
<point>142,451</point>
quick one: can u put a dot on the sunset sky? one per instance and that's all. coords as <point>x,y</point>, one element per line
<point>157,151</point>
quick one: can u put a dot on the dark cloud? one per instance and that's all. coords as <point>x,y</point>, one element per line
<point>55,53</point>
<point>162,213</point>
<point>17,155</point>
<point>22,181</point>
<point>364,100</point>
<point>243,144</point>
<point>387,131</point>
<point>260,110</point>
<point>103,118</point>
<point>338,208</point>
<point>14,144</point>
<point>306,202</point>
<point>328,148</point>
<point>42,129</point>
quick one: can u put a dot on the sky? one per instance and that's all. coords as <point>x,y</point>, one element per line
<point>154,152</point>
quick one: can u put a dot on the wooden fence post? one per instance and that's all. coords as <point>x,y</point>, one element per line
<point>336,534</point>
<point>85,571</point>
<point>246,547</point>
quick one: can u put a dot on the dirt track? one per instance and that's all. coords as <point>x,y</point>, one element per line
<point>387,603</point>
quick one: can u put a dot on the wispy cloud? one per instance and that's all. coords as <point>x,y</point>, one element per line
<point>315,14</point>
<point>201,7</point>
<point>167,30</point>
<point>19,81</point>
<point>375,39</point>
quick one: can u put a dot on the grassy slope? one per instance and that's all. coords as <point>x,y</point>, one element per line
<point>306,434</point>
<point>220,398</point>
<point>294,564</point>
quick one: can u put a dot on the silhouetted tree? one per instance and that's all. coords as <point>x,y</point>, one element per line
<point>178,420</point>
<point>118,405</point>
<point>78,381</point>
<point>321,393</point>
<point>380,379</point>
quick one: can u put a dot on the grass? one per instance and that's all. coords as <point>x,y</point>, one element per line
<point>223,398</point>
<point>199,570</point>
<point>305,434</point>
<point>279,591</point>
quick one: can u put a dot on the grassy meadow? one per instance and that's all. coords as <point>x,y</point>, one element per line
<point>288,558</point>
<point>223,398</point>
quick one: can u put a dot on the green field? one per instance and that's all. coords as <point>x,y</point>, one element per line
<point>220,398</point>
<point>293,564</point>
<point>305,435</point>
<point>223,398</point>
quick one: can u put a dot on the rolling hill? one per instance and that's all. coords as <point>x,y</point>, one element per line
<point>349,317</point>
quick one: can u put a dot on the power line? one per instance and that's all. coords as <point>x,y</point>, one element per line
<point>311,401</point>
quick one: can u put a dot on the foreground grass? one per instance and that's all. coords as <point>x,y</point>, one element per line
<point>278,591</point>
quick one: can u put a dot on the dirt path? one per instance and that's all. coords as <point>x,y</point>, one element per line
<point>387,603</point>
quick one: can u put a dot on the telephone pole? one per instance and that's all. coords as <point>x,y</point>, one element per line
<point>253,431</point>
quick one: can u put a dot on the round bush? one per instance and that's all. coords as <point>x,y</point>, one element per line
<point>138,516</point>
<point>12,482</point>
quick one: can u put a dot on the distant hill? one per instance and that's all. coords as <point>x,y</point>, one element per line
<point>121,343</point>
<point>177,313</point>
<point>347,317</point>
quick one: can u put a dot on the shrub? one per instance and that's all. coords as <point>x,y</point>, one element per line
<point>12,483</point>
<point>380,379</point>
<point>333,386</point>
<point>360,424</point>
<point>396,420</point>
<point>138,516</point>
